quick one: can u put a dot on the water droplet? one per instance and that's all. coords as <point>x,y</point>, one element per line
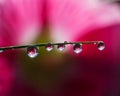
<point>61,47</point>
<point>65,42</point>
<point>1,50</point>
<point>77,48</point>
<point>49,47</point>
<point>32,51</point>
<point>101,46</point>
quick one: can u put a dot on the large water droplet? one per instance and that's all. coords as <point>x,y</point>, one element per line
<point>32,51</point>
<point>49,47</point>
<point>61,47</point>
<point>101,46</point>
<point>1,50</point>
<point>77,48</point>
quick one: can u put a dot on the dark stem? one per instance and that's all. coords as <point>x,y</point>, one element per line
<point>44,44</point>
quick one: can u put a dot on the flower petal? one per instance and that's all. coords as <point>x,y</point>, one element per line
<point>70,19</point>
<point>23,19</point>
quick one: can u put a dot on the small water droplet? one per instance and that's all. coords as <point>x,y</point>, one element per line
<point>49,47</point>
<point>77,48</point>
<point>61,47</point>
<point>65,42</point>
<point>1,50</point>
<point>32,51</point>
<point>101,46</point>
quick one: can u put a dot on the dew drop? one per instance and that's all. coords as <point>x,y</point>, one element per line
<point>101,46</point>
<point>1,50</point>
<point>77,48</point>
<point>49,47</point>
<point>65,42</point>
<point>61,47</point>
<point>32,51</point>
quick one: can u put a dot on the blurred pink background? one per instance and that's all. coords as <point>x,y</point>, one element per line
<point>90,73</point>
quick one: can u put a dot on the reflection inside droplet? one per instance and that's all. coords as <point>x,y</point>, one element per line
<point>32,51</point>
<point>61,47</point>
<point>1,50</point>
<point>77,48</point>
<point>49,47</point>
<point>101,46</point>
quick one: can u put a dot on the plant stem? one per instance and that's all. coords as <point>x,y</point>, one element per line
<point>44,44</point>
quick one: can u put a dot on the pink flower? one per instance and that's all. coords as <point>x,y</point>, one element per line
<point>19,24</point>
<point>69,20</point>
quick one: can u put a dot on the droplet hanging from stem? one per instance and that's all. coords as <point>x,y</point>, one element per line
<point>32,51</point>
<point>77,48</point>
<point>49,47</point>
<point>101,46</point>
<point>61,47</point>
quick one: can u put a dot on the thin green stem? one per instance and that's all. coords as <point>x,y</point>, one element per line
<point>44,44</point>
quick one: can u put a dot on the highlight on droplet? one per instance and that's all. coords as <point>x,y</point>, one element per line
<point>32,51</point>
<point>77,48</point>
<point>61,47</point>
<point>49,47</point>
<point>101,46</point>
<point>1,50</point>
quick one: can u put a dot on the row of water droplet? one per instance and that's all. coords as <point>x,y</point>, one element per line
<point>32,51</point>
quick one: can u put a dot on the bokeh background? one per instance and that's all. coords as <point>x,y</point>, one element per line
<point>90,73</point>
